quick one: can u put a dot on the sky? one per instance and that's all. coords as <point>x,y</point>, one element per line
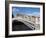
<point>26,10</point>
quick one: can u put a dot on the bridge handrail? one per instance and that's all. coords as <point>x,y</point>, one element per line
<point>33,24</point>
<point>24,20</point>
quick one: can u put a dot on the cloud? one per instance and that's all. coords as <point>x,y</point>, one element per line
<point>34,14</point>
<point>13,9</point>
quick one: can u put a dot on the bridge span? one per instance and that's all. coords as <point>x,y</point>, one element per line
<point>28,23</point>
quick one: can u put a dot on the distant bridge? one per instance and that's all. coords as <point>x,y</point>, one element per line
<point>28,23</point>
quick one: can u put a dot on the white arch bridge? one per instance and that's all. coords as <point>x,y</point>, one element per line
<point>28,23</point>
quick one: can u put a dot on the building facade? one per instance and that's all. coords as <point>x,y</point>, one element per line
<point>33,19</point>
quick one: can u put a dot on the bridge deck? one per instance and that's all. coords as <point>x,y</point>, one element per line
<point>28,23</point>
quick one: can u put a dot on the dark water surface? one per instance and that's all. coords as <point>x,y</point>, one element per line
<point>19,26</point>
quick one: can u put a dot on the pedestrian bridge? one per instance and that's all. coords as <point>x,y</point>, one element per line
<point>26,22</point>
